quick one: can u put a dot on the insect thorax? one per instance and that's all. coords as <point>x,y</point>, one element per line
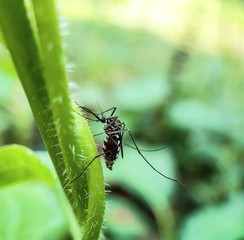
<point>112,125</point>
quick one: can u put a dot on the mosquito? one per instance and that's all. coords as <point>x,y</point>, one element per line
<point>114,130</point>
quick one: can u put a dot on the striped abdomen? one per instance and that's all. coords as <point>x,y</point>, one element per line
<point>112,143</point>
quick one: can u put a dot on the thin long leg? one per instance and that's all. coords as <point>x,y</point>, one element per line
<point>112,108</point>
<point>96,115</point>
<point>138,150</point>
<point>76,177</point>
<point>102,112</point>
<point>121,139</point>
<point>144,150</point>
<point>128,145</point>
<point>98,134</point>
<point>109,133</point>
<point>99,155</point>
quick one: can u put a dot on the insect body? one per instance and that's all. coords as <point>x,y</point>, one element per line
<point>113,143</point>
<point>114,130</point>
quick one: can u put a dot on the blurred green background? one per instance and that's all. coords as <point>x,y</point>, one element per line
<point>174,71</point>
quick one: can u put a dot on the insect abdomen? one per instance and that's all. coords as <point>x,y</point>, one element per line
<point>111,149</point>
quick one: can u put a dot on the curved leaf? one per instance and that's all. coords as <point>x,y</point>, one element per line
<point>34,42</point>
<point>19,164</point>
<point>31,211</point>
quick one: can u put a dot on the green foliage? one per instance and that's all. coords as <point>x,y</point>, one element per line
<point>179,85</point>
<point>174,70</point>
<point>30,208</point>
<point>216,219</point>
<point>31,211</point>
<point>35,46</point>
<point>19,164</point>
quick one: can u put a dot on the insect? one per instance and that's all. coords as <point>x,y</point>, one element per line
<point>114,129</point>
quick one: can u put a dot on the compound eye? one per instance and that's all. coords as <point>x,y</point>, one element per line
<point>103,120</point>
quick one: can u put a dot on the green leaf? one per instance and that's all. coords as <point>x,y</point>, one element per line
<point>135,169</point>
<point>140,180</point>
<point>32,36</point>
<point>154,93</point>
<point>224,221</point>
<point>31,211</point>
<point>200,116</point>
<point>134,220</point>
<point>19,164</point>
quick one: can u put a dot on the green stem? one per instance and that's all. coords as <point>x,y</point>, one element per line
<point>36,50</point>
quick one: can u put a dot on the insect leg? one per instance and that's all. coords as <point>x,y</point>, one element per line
<point>144,150</point>
<point>80,174</point>
<point>126,144</point>
<point>98,134</point>
<point>76,177</point>
<point>121,139</point>
<point>109,133</point>
<point>139,152</point>
<point>112,108</point>
<point>102,112</point>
